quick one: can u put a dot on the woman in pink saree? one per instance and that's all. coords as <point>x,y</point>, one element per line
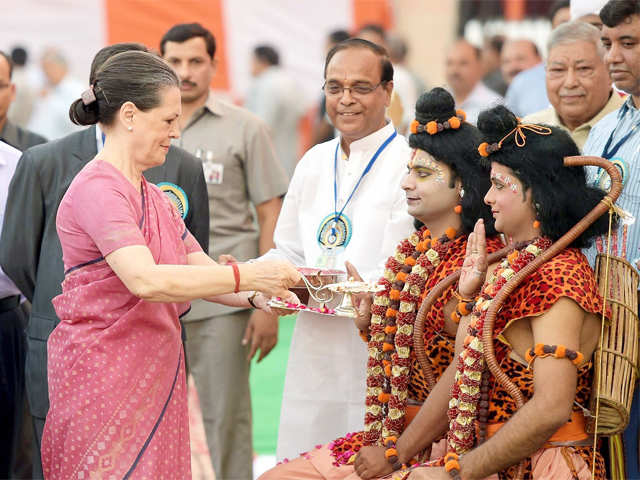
<point>116,364</point>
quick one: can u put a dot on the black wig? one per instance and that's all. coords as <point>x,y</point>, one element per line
<point>560,195</point>
<point>458,149</point>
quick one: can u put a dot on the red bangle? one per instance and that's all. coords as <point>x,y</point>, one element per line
<point>236,275</point>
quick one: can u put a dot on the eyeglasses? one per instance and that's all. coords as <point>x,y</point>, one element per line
<point>357,90</point>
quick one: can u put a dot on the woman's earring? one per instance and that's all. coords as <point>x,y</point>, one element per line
<point>536,224</point>
<point>130,128</point>
<point>461,193</point>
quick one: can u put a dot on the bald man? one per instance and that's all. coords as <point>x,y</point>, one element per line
<point>518,55</point>
<point>523,70</point>
<point>464,73</point>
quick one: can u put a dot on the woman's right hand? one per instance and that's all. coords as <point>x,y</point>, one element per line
<point>474,268</point>
<point>273,278</point>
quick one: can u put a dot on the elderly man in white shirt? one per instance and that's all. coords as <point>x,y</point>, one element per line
<point>344,203</point>
<point>12,341</point>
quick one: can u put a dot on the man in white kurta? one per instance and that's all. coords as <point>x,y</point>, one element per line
<point>326,375</point>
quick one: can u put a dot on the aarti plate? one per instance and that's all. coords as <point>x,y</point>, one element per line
<point>354,286</point>
<point>299,307</point>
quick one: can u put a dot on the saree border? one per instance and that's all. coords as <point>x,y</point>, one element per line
<point>155,427</point>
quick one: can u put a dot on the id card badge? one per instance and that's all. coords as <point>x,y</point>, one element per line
<point>331,258</point>
<point>334,234</point>
<point>213,172</point>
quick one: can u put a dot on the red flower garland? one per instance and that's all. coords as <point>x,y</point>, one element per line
<point>393,314</point>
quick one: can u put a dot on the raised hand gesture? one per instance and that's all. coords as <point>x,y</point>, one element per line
<point>474,268</point>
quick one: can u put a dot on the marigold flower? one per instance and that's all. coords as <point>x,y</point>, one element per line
<point>450,233</point>
<point>401,277</point>
<point>413,127</point>
<point>390,313</point>
<point>482,149</point>
<point>432,128</point>
<point>387,347</point>
<point>410,261</point>
<point>394,294</point>
<point>390,452</point>
<point>462,114</point>
<point>384,397</point>
<point>454,122</point>
<point>462,308</point>
<point>561,351</point>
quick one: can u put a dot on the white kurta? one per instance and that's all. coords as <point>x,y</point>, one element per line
<point>324,388</point>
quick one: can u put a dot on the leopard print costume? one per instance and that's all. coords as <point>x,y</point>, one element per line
<point>566,275</point>
<point>439,346</point>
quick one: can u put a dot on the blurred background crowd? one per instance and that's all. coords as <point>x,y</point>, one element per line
<point>278,48</point>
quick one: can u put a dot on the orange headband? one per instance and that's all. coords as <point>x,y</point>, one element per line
<point>520,139</point>
<point>434,127</point>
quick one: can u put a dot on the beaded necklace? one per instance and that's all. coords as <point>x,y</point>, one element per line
<point>393,314</point>
<point>470,389</point>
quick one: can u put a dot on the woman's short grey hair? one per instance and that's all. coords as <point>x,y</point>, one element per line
<point>576,31</point>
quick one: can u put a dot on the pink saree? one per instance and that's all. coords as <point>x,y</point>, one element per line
<point>116,371</point>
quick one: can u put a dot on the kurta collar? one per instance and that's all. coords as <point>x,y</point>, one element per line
<point>372,141</point>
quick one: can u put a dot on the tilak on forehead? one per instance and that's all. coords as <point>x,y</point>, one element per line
<point>421,159</point>
<point>506,180</point>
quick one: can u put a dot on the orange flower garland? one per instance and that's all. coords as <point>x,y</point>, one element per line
<point>393,315</point>
<point>467,392</point>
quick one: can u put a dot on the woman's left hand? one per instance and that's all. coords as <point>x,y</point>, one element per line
<point>429,473</point>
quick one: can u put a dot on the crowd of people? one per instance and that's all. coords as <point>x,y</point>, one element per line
<point>144,242</point>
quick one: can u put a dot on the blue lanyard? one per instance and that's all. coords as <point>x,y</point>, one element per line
<point>366,170</point>
<point>608,154</point>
